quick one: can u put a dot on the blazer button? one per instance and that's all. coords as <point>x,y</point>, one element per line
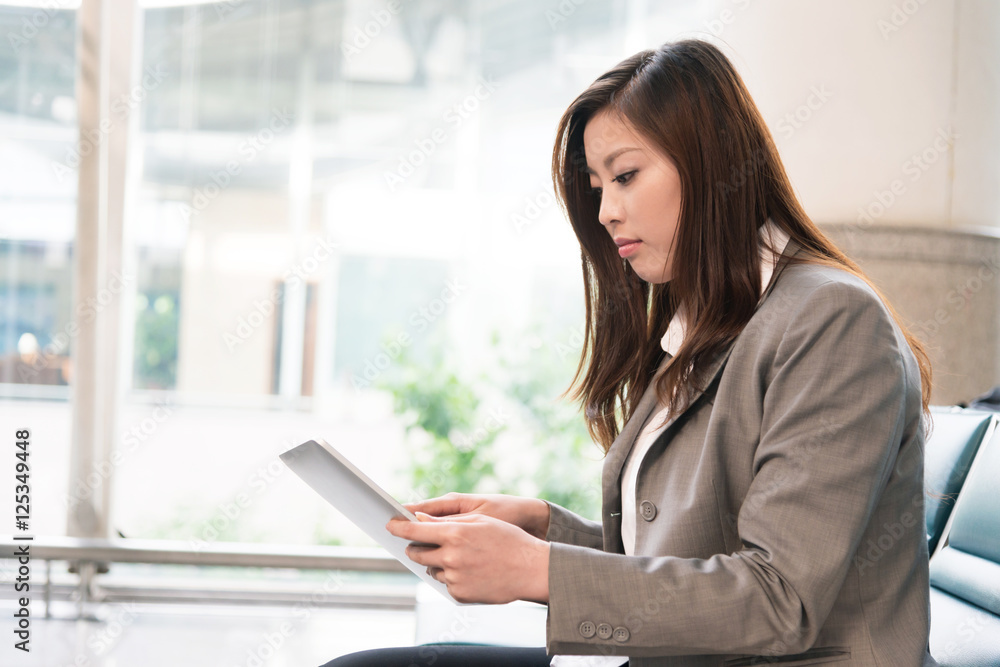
<point>587,629</point>
<point>647,510</point>
<point>621,635</point>
<point>604,631</point>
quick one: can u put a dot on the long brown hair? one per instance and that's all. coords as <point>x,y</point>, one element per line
<point>687,99</point>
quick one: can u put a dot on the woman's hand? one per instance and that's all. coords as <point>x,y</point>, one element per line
<point>528,514</point>
<point>479,558</point>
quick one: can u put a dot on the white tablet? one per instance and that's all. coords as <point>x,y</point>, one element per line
<point>357,497</point>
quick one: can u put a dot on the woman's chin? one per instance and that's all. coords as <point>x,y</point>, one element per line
<point>655,277</point>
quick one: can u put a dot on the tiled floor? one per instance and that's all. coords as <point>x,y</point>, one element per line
<point>202,635</point>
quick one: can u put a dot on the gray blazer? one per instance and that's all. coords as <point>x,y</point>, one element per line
<point>782,511</point>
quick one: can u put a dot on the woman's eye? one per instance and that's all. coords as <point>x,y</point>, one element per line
<point>620,178</point>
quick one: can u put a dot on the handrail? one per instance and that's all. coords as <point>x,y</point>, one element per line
<point>90,554</point>
<point>179,552</point>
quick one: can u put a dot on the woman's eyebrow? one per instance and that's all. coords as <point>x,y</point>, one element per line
<point>610,158</point>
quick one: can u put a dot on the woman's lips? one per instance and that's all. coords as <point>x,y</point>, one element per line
<point>627,249</point>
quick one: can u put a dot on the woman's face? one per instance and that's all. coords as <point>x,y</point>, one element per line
<point>640,194</point>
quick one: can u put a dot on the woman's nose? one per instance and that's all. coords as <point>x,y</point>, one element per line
<point>610,210</point>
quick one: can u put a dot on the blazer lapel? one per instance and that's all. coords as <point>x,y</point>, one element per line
<point>620,448</point>
<point>623,443</point>
<point>611,502</point>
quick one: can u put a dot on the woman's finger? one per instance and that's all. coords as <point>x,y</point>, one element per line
<point>442,506</point>
<point>471,517</point>
<point>421,555</point>
<point>427,532</point>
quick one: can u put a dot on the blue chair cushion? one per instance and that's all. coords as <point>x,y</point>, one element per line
<point>962,635</point>
<point>949,451</point>
<point>965,572</point>
<point>975,528</point>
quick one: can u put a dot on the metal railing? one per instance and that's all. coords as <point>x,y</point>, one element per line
<point>89,557</point>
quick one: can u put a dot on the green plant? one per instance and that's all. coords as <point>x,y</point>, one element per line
<point>567,467</point>
<point>156,328</point>
<point>465,429</point>
<point>436,403</point>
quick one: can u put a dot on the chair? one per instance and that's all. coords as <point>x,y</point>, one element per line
<point>965,570</point>
<point>948,453</point>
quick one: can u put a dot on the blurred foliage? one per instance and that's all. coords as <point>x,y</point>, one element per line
<point>199,523</point>
<point>323,536</point>
<point>204,523</point>
<point>568,472</point>
<point>435,402</point>
<point>156,331</point>
<point>503,430</point>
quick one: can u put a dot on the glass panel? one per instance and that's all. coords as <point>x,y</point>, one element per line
<point>319,179</point>
<point>386,306</point>
<point>39,154</point>
<point>38,158</point>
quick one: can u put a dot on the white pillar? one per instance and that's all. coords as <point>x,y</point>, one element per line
<point>300,179</point>
<point>105,61</point>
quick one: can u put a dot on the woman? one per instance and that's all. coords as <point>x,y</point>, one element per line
<point>772,405</point>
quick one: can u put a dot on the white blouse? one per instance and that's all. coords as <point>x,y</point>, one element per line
<point>671,342</point>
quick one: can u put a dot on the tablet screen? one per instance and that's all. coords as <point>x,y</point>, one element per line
<point>357,497</point>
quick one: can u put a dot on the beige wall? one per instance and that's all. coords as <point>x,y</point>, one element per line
<point>888,92</point>
<point>898,158</point>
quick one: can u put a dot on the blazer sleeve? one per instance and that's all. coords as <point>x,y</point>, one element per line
<point>832,419</point>
<point>570,528</point>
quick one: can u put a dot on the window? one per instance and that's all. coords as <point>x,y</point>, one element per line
<point>311,189</point>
